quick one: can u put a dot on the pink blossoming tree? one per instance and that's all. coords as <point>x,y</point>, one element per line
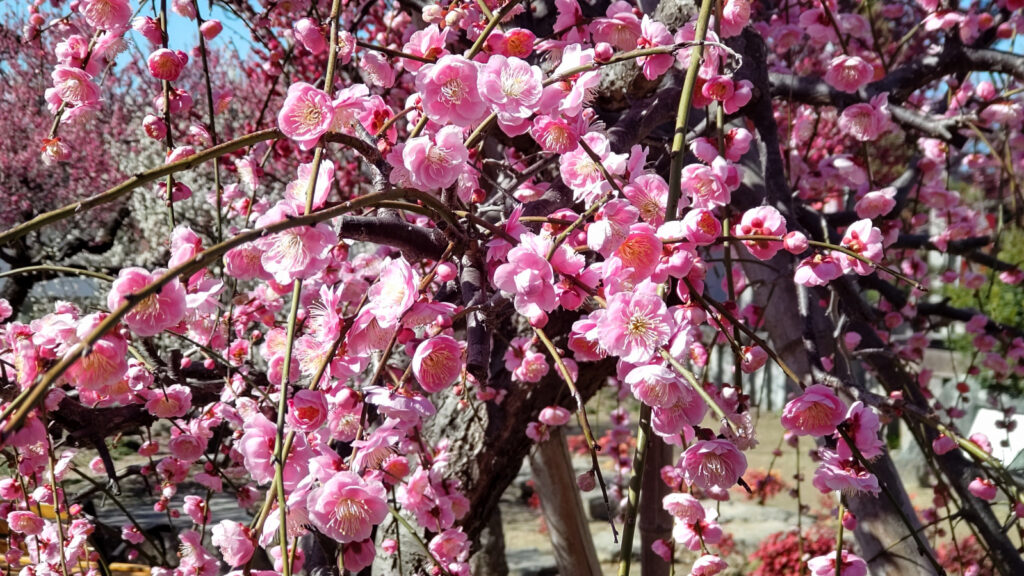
<point>352,273</point>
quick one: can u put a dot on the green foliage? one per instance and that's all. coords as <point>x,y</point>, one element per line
<point>1003,303</point>
<point>1000,302</point>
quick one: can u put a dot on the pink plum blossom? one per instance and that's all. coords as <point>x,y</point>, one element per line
<point>233,540</point>
<point>649,194</point>
<point>73,86</point>
<point>580,172</point>
<point>983,488</point>
<point>528,276</point>
<point>298,252</point>
<point>166,64</point>
<point>611,226</point>
<point>634,326</point>
<point>639,251</point>
<point>377,69</point>
<point>876,203</point>
<point>450,92</point>
<point>731,96</point>
<point>816,412</point>
<point>846,475</point>
<point>153,314</point>
<point>28,523</point>
<point>308,33</point>
<point>427,43</point>
<point>211,29</point>
<point>554,416</point>
<point>296,190</point>
<point>762,221</point>
<point>943,445</point>
<point>358,555</point>
<point>705,186</point>
<point>556,133</point>
<point>700,227</point>
<point>817,270</point>
<point>708,565</point>
<point>866,121</point>
<point>620,26</point>
<point>257,448</point>
<point>307,410</point>
<point>862,425</point>
<point>684,507</point>
<point>864,239</point>
<point>186,447</point>
<point>106,14</point>
<point>848,73</point>
<point>451,549</point>
<point>754,357</point>
<point>306,115</point>
<point>652,35</point>
<point>654,385</point>
<point>437,363</point>
<point>511,86</point>
<point>711,464</point>
<point>171,402</point>
<point>436,162</point>
<point>735,16</point>
<point>825,565</point>
<point>245,263</point>
<point>346,508</point>
<point>572,93</point>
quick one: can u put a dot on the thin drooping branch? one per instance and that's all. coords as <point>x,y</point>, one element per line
<point>19,408</point>
<point>803,334</point>
<point>143,178</point>
<point>958,470</point>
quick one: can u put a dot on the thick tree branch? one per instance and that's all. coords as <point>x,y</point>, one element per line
<point>969,248</point>
<point>816,92</point>
<point>415,241</point>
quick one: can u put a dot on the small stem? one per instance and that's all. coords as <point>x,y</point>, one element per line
<point>835,25</point>
<point>643,434</point>
<point>581,416</point>
<point>394,53</point>
<point>692,380</point>
<point>412,531</point>
<point>212,120</point>
<point>54,486</point>
<point>64,269</point>
<point>491,25</point>
<point>839,538</point>
<point>682,115</point>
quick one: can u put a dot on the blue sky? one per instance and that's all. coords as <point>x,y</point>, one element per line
<point>183,34</point>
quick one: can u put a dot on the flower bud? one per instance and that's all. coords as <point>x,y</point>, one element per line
<point>795,242</point>
<point>54,151</point>
<point>165,64</point>
<point>210,29</point>
<point>154,127</point>
<point>446,271</point>
<point>586,481</point>
<point>554,416</point>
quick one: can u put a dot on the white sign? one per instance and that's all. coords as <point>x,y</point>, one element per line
<point>985,423</point>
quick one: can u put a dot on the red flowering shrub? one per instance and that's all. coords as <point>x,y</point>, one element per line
<point>780,554</point>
